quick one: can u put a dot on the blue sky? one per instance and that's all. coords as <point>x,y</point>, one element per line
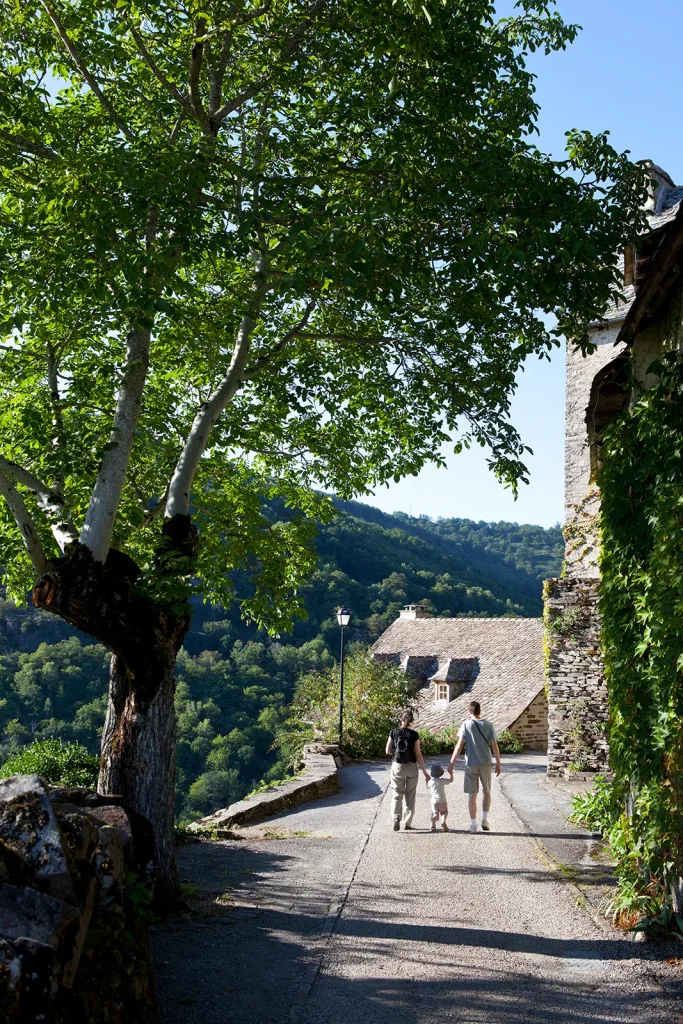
<point>622,75</point>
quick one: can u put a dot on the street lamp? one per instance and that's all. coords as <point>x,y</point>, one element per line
<point>343,618</point>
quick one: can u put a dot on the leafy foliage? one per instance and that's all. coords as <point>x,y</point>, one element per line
<point>508,743</point>
<point>340,201</point>
<point>642,611</point>
<point>443,741</point>
<point>374,695</point>
<point>60,765</point>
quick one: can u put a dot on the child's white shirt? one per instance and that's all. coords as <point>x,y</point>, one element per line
<point>437,790</point>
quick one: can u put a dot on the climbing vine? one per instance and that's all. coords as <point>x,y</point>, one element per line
<point>642,611</point>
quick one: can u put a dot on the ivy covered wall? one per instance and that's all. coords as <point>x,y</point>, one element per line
<point>641,604</point>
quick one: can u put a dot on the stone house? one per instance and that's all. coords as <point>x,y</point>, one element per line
<point>632,336</point>
<point>498,662</point>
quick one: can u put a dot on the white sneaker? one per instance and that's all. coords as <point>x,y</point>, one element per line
<point>472,829</point>
<point>485,826</point>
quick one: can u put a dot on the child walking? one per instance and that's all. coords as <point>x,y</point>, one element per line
<point>437,790</point>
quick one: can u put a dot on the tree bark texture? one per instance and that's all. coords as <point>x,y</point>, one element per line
<point>144,636</point>
<point>138,758</point>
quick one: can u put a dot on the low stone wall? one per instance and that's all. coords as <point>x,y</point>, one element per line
<point>531,728</point>
<point>73,937</point>
<point>321,761</point>
<point>577,695</point>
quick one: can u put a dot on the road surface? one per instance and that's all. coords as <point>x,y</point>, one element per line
<point>324,914</point>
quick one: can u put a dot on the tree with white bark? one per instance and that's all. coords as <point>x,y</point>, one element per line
<point>250,249</point>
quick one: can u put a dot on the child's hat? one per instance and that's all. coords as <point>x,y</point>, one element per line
<point>437,771</point>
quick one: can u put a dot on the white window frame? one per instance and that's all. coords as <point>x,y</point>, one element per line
<point>442,693</point>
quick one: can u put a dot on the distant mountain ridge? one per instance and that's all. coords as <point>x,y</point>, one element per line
<point>509,559</point>
<point>458,566</point>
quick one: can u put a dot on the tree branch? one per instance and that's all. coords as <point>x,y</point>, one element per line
<point>170,88</point>
<point>106,496</point>
<point>193,84</point>
<point>217,74</point>
<point>264,360</point>
<point>50,501</point>
<point>25,145</point>
<point>178,502</point>
<point>80,65</point>
<point>104,502</point>
<point>289,47</point>
<point>57,419</point>
<point>27,527</point>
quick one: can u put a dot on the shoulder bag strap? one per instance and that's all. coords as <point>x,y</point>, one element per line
<point>481,733</point>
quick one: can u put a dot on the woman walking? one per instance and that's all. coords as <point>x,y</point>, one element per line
<point>403,745</point>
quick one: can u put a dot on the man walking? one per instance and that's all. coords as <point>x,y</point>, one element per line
<point>478,737</point>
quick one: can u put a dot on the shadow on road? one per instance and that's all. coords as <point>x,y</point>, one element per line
<point>508,998</point>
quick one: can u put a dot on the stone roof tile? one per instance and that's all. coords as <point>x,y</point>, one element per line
<point>509,653</point>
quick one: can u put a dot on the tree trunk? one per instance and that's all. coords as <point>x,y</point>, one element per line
<point>144,636</point>
<point>138,758</point>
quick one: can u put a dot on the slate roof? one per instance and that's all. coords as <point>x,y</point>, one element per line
<point>508,652</point>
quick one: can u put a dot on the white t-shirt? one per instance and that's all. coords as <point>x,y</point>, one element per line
<point>437,789</point>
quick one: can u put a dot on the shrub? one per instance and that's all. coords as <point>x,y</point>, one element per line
<point>59,764</point>
<point>440,742</point>
<point>443,741</point>
<point>508,743</point>
<point>374,694</point>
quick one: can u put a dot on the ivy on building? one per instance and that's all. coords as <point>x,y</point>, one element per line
<point>642,611</point>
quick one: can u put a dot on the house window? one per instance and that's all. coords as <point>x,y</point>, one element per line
<point>442,691</point>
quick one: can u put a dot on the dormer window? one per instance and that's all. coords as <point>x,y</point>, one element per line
<point>442,692</point>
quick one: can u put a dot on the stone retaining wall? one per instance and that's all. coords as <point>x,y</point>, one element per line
<point>577,695</point>
<point>73,937</point>
<point>321,761</point>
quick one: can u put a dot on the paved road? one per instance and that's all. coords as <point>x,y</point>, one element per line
<point>353,922</point>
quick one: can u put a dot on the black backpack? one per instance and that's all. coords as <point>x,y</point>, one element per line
<point>401,748</point>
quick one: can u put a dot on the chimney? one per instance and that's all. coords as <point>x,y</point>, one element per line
<point>414,611</point>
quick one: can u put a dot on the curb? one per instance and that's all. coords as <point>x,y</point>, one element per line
<point>551,864</point>
<point>319,779</point>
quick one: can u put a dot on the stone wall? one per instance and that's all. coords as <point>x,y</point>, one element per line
<point>319,779</point>
<point>73,934</point>
<point>532,725</point>
<point>581,371</point>
<point>578,709</point>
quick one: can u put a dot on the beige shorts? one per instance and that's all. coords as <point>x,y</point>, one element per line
<point>473,773</point>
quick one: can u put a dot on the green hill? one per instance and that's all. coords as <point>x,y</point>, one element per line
<point>234,680</point>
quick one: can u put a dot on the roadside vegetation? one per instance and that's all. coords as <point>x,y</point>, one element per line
<point>640,811</point>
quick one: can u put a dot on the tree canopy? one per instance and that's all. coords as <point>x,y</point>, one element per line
<point>248,247</point>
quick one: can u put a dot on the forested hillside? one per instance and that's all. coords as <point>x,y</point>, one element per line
<point>233,680</point>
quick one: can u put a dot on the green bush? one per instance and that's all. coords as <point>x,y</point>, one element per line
<point>508,743</point>
<point>440,742</point>
<point>443,741</point>
<point>374,694</point>
<point>59,764</point>
<point>598,810</point>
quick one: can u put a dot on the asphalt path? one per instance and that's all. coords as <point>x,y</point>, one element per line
<point>324,914</point>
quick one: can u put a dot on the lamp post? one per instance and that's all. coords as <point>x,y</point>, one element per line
<point>343,618</point>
